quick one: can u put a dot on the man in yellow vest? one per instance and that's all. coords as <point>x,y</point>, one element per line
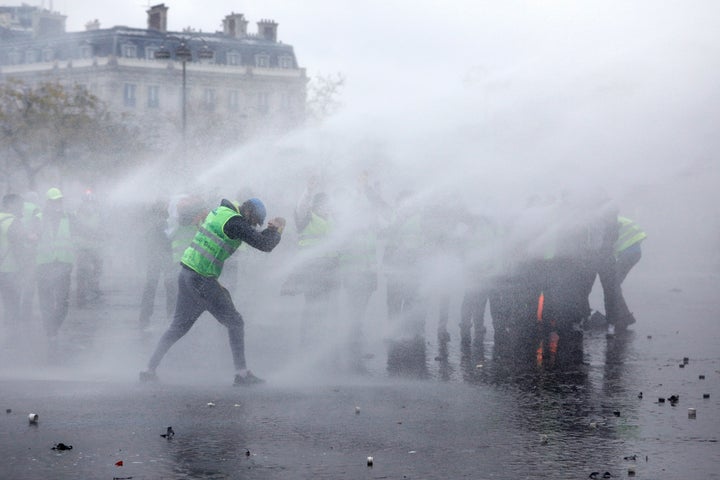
<point>627,254</point>
<point>55,259</point>
<point>222,232</point>
<point>13,241</point>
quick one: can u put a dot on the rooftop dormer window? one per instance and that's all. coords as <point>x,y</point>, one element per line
<point>262,60</point>
<point>233,58</point>
<point>285,61</point>
<point>129,51</point>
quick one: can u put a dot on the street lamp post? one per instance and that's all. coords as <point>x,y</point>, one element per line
<point>184,55</point>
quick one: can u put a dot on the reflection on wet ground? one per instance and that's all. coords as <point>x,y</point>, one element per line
<point>421,409</point>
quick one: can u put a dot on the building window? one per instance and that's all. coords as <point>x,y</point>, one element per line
<point>30,56</point>
<point>129,95</point>
<point>262,60</point>
<point>209,99</point>
<point>14,57</point>
<point>129,51</point>
<point>234,101</point>
<point>85,51</point>
<point>153,96</point>
<point>150,53</point>
<point>233,58</point>
<point>263,102</point>
<point>48,55</point>
<point>285,61</point>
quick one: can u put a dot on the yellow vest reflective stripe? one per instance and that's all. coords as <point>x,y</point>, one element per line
<point>211,247</point>
<point>8,263</point>
<point>56,246</point>
<point>629,235</point>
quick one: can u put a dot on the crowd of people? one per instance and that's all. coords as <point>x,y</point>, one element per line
<point>531,272</point>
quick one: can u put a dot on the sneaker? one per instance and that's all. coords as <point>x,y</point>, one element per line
<point>248,379</point>
<point>148,377</point>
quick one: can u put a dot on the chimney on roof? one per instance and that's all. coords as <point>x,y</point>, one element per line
<point>93,25</point>
<point>235,25</point>
<point>267,29</point>
<point>157,17</point>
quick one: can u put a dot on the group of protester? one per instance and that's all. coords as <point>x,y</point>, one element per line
<point>533,271</point>
<point>40,247</point>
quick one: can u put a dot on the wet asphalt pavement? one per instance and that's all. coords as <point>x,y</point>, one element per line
<point>473,417</point>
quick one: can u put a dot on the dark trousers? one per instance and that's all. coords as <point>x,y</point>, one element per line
<point>616,309</point>
<point>197,294</point>
<point>87,276</point>
<point>404,304</point>
<point>162,267</point>
<point>10,289</point>
<point>53,281</point>
<point>472,311</point>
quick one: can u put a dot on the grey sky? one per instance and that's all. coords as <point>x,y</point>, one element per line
<point>612,81</point>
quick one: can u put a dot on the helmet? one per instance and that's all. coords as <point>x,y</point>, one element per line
<point>258,209</point>
<point>54,194</point>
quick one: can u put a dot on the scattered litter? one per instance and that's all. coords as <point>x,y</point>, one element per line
<point>169,434</point>
<point>686,360</point>
<point>701,377</point>
<point>692,413</point>
<point>411,452</point>
<point>370,461</point>
<point>33,418</point>
<point>673,399</point>
<point>357,410</point>
<point>706,395</point>
<point>649,337</point>
<point>122,478</point>
<point>631,471</point>
<point>237,405</point>
<point>630,457</point>
<point>607,475</point>
<point>593,424</point>
<point>661,400</point>
<point>247,452</point>
<point>62,446</point>
<point>8,410</point>
<point>119,463</point>
<point>682,365</point>
<point>640,395</point>
<point>616,413</point>
<point>479,366</point>
<point>543,439</point>
<point>594,475</point>
<point>210,404</point>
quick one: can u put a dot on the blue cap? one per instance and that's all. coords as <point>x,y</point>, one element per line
<point>259,209</point>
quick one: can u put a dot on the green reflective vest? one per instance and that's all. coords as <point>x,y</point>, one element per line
<point>315,232</point>
<point>8,262</point>
<point>56,246</point>
<point>211,247</point>
<point>629,235</point>
<point>182,237</point>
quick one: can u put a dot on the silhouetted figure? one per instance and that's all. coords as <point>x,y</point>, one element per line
<point>55,260</point>
<point>158,262</point>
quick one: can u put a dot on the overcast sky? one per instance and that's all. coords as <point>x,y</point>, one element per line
<point>382,44</point>
<point>614,81</point>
